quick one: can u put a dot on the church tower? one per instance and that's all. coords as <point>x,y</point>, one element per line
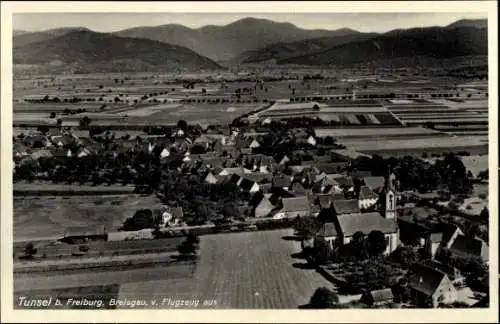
<point>389,198</point>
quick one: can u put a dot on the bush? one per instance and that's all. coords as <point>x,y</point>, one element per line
<point>323,298</point>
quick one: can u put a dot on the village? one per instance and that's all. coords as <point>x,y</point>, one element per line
<point>396,232</point>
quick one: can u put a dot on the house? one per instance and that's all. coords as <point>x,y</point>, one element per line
<point>294,206</point>
<point>473,206</point>
<point>449,235</point>
<point>259,177</point>
<point>62,140</point>
<point>282,158</point>
<point>432,244</point>
<point>171,216</point>
<point>331,168</point>
<point>283,182</point>
<point>298,189</point>
<point>327,233</point>
<point>452,272</point>
<point>41,153</point>
<point>367,198</point>
<point>244,184</point>
<point>311,140</point>
<point>467,247</point>
<point>377,297</point>
<point>54,131</point>
<point>254,144</point>
<point>19,149</point>
<point>210,178</point>
<point>83,151</point>
<point>430,287</point>
<point>346,206</point>
<point>264,207</point>
<point>164,153</point>
<point>345,182</point>
<point>229,171</point>
<point>259,163</point>
<point>375,183</point>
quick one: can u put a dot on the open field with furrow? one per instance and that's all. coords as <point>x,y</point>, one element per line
<point>45,216</point>
<point>376,131</point>
<point>242,270</point>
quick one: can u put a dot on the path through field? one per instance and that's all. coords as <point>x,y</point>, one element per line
<point>241,270</point>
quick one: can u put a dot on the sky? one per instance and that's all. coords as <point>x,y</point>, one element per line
<point>110,22</point>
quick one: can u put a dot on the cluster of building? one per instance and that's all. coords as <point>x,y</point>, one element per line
<point>282,187</point>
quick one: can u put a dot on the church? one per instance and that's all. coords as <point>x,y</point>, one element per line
<point>341,226</point>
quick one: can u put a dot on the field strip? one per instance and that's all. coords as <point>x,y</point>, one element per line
<point>147,111</point>
<point>94,278</point>
<point>34,266</point>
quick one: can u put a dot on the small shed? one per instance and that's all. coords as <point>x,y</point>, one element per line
<point>377,297</point>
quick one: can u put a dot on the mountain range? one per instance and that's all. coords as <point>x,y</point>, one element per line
<point>83,47</point>
<point>246,41</point>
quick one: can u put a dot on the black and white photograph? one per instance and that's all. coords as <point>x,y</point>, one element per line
<point>271,160</point>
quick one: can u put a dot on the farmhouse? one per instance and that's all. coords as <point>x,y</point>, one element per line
<point>264,207</point>
<point>283,182</point>
<point>367,198</point>
<point>467,247</point>
<point>239,171</point>
<point>346,206</point>
<point>210,178</point>
<point>246,185</point>
<point>374,183</point>
<point>294,206</point>
<point>473,206</point>
<point>430,287</point>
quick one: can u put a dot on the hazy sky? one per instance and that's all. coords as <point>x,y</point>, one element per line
<point>109,22</point>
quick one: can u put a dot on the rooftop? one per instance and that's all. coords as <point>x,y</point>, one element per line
<point>365,223</point>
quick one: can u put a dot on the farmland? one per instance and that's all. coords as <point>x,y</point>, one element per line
<point>227,272</point>
<point>378,132</point>
<point>46,216</point>
<point>412,146</point>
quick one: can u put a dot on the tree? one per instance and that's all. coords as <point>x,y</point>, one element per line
<point>29,251</point>
<point>84,122</point>
<point>323,298</point>
<point>53,115</point>
<point>182,124</point>
<point>203,91</point>
<point>188,248</point>
<point>483,175</point>
<point>306,227</point>
<point>406,256</point>
<point>376,243</point>
<point>358,247</point>
<point>322,252</point>
<point>143,218</point>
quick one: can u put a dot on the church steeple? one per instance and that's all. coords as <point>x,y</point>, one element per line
<point>389,205</point>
